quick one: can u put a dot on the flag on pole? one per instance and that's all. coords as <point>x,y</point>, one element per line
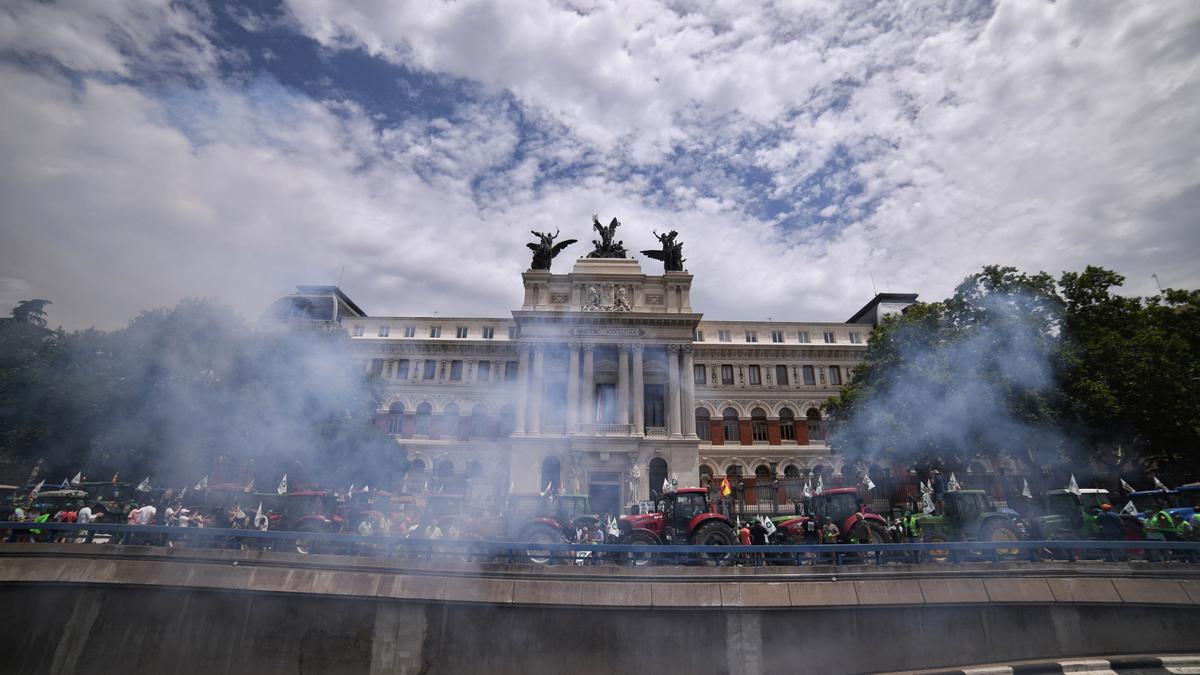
<point>366,488</point>
<point>868,482</point>
<point>953,485</point>
<point>767,524</point>
<point>260,519</point>
<point>64,485</point>
<point>666,487</point>
<point>1126,486</point>
<point>38,488</point>
<point>1073,487</point>
<point>820,485</point>
<point>203,484</point>
<point>282,489</point>
<point>144,486</point>
<point>549,486</point>
<point>1025,492</point>
<point>613,529</point>
<point>181,494</point>
<point>1158,485</point>
<point>927,487</point>
<point>808,488</point>
<point>1129,509</point>
<point>250,486</point>
<point>726,489</point>
<point>77,479</point>
<point>351,489</point>
<point>927,502</point>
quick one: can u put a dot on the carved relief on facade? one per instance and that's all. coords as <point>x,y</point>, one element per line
<point>607,297</point>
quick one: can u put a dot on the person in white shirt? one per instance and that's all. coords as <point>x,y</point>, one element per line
<point>85,516</point>
<point>146,515</point>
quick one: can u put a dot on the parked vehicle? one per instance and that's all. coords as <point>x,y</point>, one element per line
<point>1072,517</point>
<point>969,515</point>
<point>684,517</point>
<point>856,523</point>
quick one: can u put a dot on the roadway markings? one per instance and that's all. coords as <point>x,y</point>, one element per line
<point>1116,665</point>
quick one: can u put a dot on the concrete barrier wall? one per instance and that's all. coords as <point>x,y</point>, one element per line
<point>127,610</point>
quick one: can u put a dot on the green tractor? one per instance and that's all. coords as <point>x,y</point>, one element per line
<point>969,515</point>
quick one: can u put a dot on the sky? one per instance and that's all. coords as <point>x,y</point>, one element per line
<point>807,151</point>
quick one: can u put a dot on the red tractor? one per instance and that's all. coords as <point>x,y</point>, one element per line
<point>684,517</point>
<point>538,519</point>
<point>308,511</point>
<point>844,507</point>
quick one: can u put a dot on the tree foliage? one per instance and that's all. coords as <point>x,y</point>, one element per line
<point>1038,369</point>
<point>182,390</point>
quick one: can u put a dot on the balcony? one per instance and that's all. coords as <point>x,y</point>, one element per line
<point>657,432</point>
<point>606,429</point>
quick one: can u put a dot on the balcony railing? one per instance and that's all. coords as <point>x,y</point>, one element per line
<point>656,432</point>
<point>606,429</point>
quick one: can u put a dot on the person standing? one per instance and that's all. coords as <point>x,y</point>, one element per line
<point>912,528</point>
<point>758,537</point>
<point>744,538</point>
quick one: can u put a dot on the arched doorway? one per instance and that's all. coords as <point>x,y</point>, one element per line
<point>657,474</point>
<point>551,474</point>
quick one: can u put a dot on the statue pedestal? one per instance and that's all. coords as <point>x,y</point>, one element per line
<point>607,266</point>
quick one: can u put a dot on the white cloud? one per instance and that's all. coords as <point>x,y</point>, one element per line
<point>1044,135</point>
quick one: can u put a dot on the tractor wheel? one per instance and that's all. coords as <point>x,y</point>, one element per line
<point>541,535</point>
<point>1055,553</point>
<point>638,558</point>
<point>714,533</point>
<point>1000,531</point>
<point>937,554</point>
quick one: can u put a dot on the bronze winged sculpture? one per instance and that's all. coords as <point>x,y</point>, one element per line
<point>605,247</point>
<point>545,249</point>
<point>671,253</point>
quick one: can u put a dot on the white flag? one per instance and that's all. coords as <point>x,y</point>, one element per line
<point>868,482</point>
<point>64,485</point>
<point>1025,492</point>
<point>144,486</point>
<point>282,489</point>
<point>1129,509</point>
<point>351,489</point>
<point>77,479</point>
<point>1158,485</point>
<point>613,529</point>
<point>1073,487</point>
<point>927,487</point>
<point>250,486</point>
<point>548,487</point>
<point>260,518</point>
<point>181,494</point>
<point>38,488</point>
<point>927,502</point>
<point>1126,486</point>
<point>366,488</point>
<point>767,524</point>
<point>203,484</point>
<point>820,485</point>
<point>953,485</point>
<point>808,492</point>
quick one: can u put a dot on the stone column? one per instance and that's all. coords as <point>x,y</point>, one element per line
<point>522,388</point>
<point>689,394</point>
<point>622,384</point>
<point>673,391</point>
<point>573,388</point>
<point>639,392</point>
<point>538,390</point>
<point>587,410</point>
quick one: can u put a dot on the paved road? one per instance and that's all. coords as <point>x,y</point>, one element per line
<point>1114,665</point>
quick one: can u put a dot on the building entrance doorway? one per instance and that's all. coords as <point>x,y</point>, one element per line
<point>604,491</point>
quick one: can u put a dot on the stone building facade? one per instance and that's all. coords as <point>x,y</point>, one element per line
<point>605,382</point>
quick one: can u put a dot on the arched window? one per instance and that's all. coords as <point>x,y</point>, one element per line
<point>445,468</point>
<point>450,421</point>
<point>729,424</point>
<point>657,473</point>
<point>758,424</point>
<point>424,412</point>
<point>479,421</point>
<point>508,422</point>
<point>395,418</point>
<point>762,471</point>
<point>733,470</point>
<point>787,425</point>
<point>820,470</point>
<point>791,471</point>
<point>815,428</point>
<point>703,427</point>
<point>551,474</point>
<point>416,466</point>
<point>706,474</point>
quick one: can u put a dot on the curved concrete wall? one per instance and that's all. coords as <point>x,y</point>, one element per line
<point>145,610</point>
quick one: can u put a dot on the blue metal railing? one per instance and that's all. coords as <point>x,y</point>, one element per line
<point>514,552</point>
